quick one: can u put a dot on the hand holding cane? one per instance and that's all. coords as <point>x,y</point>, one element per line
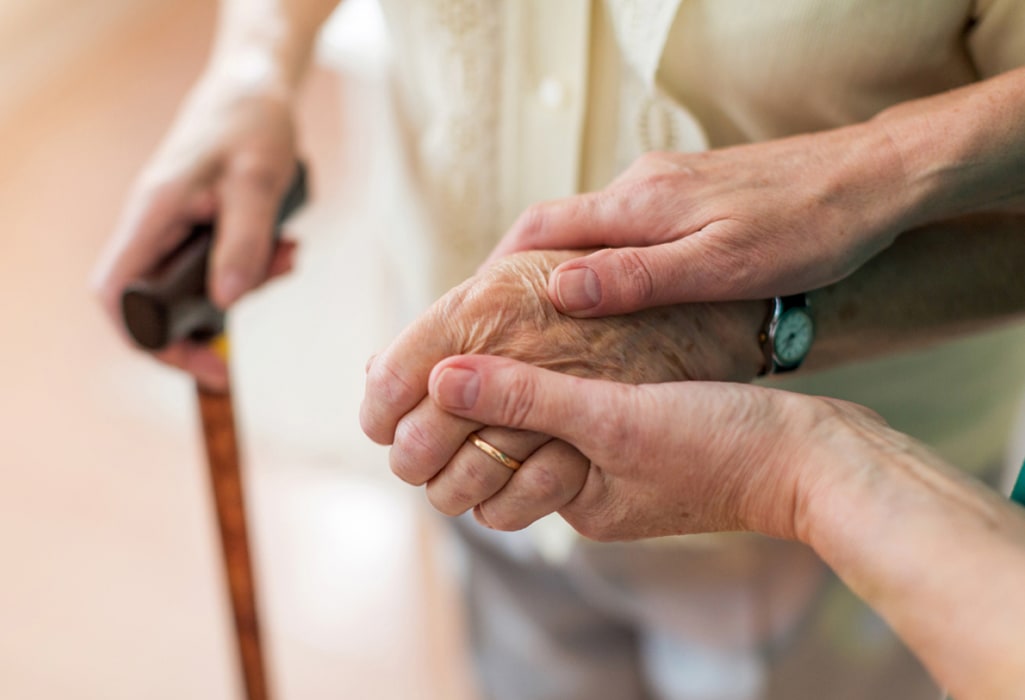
<point>171,304</point>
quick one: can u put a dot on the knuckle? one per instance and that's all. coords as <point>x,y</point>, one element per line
<point>541,483</point>
<point>412,451</point>
<point>385,385</point>
<point>507,520</point>
<point>404,467</point>
<point>656,167</point>
<point>458,303</point>
<point>467,482</point>
<point>517,402</point>
<point>650,160</point>
<point>636,190</point>
<point>256,172</point>
<point>596,207</point>
<point>531,223</point>
<point>443,501</point>
<point>476,475</point>
<point>639,282</point>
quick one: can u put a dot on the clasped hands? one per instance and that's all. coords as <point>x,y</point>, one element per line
<point>602,438</point>
<point>620,461</point>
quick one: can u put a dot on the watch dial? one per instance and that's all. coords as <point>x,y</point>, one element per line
<point>794,333</point>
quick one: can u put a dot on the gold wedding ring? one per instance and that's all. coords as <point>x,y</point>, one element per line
<point>493,452</point>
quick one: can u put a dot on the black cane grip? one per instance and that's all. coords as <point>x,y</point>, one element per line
<point>170,303</point>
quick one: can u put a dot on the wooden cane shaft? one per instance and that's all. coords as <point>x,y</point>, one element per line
<point>226,482</point>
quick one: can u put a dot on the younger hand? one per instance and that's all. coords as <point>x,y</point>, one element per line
<point>749,222</point>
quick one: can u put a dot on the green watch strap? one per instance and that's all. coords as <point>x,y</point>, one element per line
<point>1018,492</point>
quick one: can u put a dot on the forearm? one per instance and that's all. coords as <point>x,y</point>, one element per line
<point>940,557</point>
<point>939,283</point>
<point>961,151</point>
<point>267,42</point>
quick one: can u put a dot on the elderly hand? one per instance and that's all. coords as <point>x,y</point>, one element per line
<point>748,222</point>
<point>505,311</point>
<point>229,157</point>
<point>661,459</point>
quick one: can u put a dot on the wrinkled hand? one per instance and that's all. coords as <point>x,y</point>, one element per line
<point>505,311</point>
<point>749,222</point>
<point>229,158</point>
<point>660,459</point>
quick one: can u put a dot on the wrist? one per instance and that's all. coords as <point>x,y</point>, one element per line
<point>923,178</point>
<point>261,56</point>
<point>864,183</point>
<point>719,341</point>
<point>780,493</point>
<point>961,149</point>
<point>836,478</point>
<point>250,70</point>
<point>912,536</point>
<point>860,476</point>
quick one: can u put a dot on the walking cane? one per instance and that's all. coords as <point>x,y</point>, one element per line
<point>170,304</point>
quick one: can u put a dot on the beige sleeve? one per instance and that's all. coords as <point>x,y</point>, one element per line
<point>996,41</point>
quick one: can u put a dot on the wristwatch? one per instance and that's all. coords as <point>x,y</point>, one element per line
<point>788,334</point>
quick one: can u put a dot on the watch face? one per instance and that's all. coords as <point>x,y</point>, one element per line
<point>793,337</point>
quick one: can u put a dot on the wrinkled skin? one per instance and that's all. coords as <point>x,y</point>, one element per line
<point>666,459</point>
<point>505,310</point>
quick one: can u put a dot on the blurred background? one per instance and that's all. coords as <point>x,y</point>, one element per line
<point>111,582</point>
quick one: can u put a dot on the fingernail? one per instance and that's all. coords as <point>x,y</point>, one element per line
<point>230,288</point>
<point>457,388</point>
<point>578,289</point>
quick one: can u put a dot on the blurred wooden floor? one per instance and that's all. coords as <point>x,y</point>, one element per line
<point>110,584</point>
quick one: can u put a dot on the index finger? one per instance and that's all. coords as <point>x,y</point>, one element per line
<point>250,194</point>
<point>629,214</point>
<point>397,380</point>
<point>153,223</point>
<point>567,223</point>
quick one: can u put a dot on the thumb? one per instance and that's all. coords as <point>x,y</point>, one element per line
<point>502,392</point>
<point>623,280</point>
